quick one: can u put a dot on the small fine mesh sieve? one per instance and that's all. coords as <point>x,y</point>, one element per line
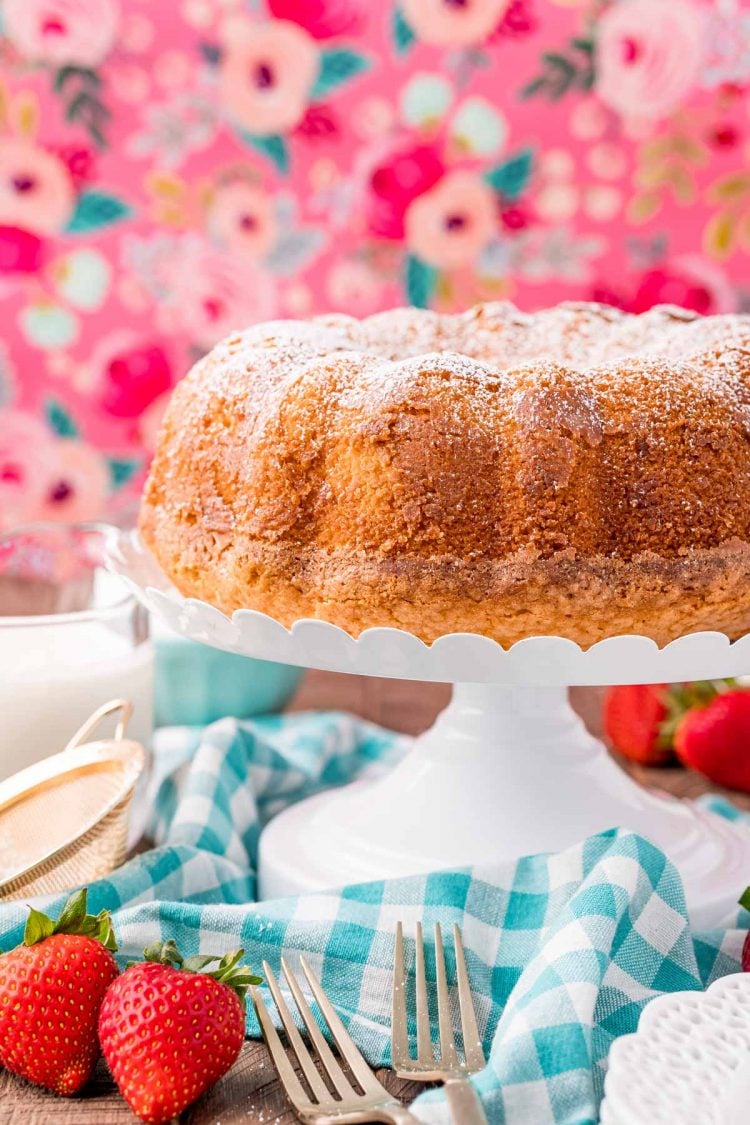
<point>64,820</point>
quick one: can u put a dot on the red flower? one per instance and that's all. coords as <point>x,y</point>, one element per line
<point>724,136</point>
<point>134,378</point>
<point>318,122</point>
<point>395,183</point>
<point>21,251</point>
<point>322,18</point>
<point>519,19</point>
<point>514,218</point>
<point>660,287</point>
<point>80,163</point>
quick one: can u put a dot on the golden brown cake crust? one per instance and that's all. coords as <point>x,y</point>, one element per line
<point>577,472</point>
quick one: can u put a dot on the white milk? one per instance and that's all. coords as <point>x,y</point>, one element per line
<point>54,674</point>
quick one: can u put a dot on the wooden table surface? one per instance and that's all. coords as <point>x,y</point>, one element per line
<point>250,1092</point>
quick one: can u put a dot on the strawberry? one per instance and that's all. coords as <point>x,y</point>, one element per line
<point>51,989</point>
<point>640,720</point>
<point>169,1028</point>
<point>715,740</point>
<point>633,719</point>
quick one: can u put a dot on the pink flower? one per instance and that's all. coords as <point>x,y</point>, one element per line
<point>36,191</point>
<point>395,182</point>
<point>648,56</point>
<point>62,32</point>
<point>266,73</point>
<point>20,251</point>
<point>25,452</point>
<point>76,486</point>
<point>453,23</point>
<point>322,18</point>
<point>353,287</point>
<point>210,292</point>
<point>131,372</point>
<point>241,215</point>
<point>450,224</point>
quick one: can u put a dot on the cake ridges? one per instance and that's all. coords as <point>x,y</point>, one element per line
<point>307,444</point>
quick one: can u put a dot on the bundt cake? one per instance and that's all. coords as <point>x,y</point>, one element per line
<point>578,471</point>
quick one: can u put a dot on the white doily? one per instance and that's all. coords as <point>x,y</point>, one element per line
<point>688,1062</point>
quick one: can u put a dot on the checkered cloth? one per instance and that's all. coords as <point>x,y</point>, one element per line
<point>563,950</point>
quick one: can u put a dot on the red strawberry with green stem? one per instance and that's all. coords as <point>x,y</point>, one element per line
<point>170,1028</point>
<point>51,989</point>
<point>715,740</point>
<point>633,718</point>
<point>640,720</point>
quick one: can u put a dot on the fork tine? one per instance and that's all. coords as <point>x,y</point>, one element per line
<point>289,1079</point>
<point>448,1056</point>
<point>308,1067</point>
<point>425,1053</point>
<point>327,1057</point>
<point>473,1052</point>
<point>349,1050</point>
<point>399,1024</point>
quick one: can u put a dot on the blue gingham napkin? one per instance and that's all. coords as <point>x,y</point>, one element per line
<point>563,950</point>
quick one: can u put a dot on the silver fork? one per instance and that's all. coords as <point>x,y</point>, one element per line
<point>449,1069</point>
<point>320,1106</point>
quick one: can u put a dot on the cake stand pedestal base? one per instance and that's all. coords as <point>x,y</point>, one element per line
<point>504,772</point>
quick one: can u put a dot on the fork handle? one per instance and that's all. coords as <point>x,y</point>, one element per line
<point>465,1106</point>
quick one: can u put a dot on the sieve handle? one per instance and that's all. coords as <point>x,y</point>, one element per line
<point>101,713</point>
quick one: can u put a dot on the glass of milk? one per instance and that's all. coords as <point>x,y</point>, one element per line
<point>71,638</point>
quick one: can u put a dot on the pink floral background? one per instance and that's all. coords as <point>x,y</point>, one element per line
<point>171,171</point>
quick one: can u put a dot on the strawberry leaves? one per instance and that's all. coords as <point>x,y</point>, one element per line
<point>229,971</point>
<point>38,927</point>
<point>73,919</point>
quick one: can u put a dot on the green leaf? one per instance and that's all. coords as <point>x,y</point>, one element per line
<point>420,281</point>
<point>104,931</point>
<point>65,73</point>
<point>235,976</point>
<point>163,952</point>
<point>745,898</point>
<point>72,914</point>
<point>273,146</point>
<point>96,209</point>
<point>534,87</point>
<point>511,177</point>
<point>38,927</point>
<point>564,72</point>
<point>559,62</point>
<point>229,960</point>
<point>403,36</point>
<point>337,65</point>
<point>197,963</point>
<point>122,470</point>
<point>59,419</point>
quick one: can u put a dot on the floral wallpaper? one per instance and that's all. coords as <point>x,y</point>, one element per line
<point>171,171</point>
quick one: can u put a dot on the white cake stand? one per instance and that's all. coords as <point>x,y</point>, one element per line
<point>507,770</point>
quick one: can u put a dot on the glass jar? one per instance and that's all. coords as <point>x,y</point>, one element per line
<point>72,637</point>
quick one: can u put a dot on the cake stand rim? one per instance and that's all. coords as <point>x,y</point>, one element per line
<point>542,660</point>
